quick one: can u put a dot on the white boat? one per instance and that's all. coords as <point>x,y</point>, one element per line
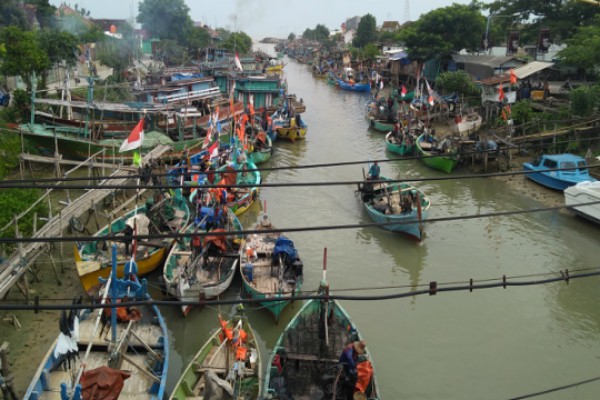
<point>466,125</point>
<point>584,192</point>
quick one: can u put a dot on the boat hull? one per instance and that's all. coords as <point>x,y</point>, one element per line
<point>585,192</point>
<point>402,149</point>
<point>548,180</point>
<point>355,87</point>
<point>440,163</point>
<point>291,133</point>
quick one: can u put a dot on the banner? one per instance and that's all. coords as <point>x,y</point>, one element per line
<point>512,45</point>
<point>544,40</point>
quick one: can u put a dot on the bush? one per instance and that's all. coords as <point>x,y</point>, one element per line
<point>15,201</point>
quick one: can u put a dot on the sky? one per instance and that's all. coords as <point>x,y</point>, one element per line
<point>269,18</point>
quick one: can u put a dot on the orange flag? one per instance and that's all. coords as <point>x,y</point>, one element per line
<point>513,77</point>
<point>500,93</point>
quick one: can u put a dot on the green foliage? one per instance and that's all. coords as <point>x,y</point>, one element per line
<point>92,35</point>
<point>582,49</point>
<point>45,13</point>
<point>199,38</point>
<point>15,201</point>
<point>172,53</point>
<point>458,82</point>
<point>116,54</point>
<point>238,41</point>
<point>522,112</point>
<point>366,31</point>
<point>292,36</point>
<point>166,19</point>
<point>584,101</point>
<point>23,54</point>
<point>11,14</point>
<point>59,46</point>
<point>10,148</point>
<point>320,33</point>
<point>369,51</point>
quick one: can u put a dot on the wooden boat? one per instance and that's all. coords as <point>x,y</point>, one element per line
<point>382,125</point>
<point>354,87</point>
<point>242,172</point>
<point>77,146</point>
<point>190,118</point>
<point>584,192</point>
<point>93,260</point>
<point>441,155</point>
<point>399,205</point>
<point>129,360</point>
<point>290,128</point>
<point>402,146</point>
<point>305,363</point>
<point>224,368</point>
<point>464,126</point>
<point>261,148</point>
<point>203,269</point>
<point>558,180</point>
<point>271,267</point>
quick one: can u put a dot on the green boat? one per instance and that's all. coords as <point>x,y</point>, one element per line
<point>261,149</point>
<point>441,155</point>
<point>402,146</point>
<point>270,268</point>
<point>306,362</point>
<point>76,146</point>
<point>381,125</point>
<point>226,367</point>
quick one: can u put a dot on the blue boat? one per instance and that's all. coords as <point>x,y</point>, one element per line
<point>128,355</point>
<point>399,205</point>
<point>558,180</point>
<point>354,87</point>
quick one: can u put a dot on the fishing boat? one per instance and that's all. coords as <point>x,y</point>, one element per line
<point>354,87</point>
<point>203,268</point>
<point>93,260</point>
<point>241,172</point>
<point>289,128</point>
<point>538,170</point>
<point>584,192</point>
<point>466,125</point>
<point>228,366</point>
<point>271,267</point>
<point>124,349</point>
<point>402,145</point>
<point>261,148</point>
<point>437,154</point>
<point>382,125</point>
<point>399,205</point>
<point>306,361</point>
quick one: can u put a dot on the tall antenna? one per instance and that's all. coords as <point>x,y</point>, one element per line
<point>406,10</point>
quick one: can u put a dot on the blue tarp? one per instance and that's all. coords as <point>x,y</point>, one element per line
<point>285,246</point>
<point>183,77</point>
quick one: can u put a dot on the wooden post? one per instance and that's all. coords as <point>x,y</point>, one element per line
<point>34,222</point>
<point>60,230</point>
<point>49,206</point>
<point>58,281</point>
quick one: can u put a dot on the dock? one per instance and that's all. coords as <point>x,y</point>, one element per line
<point>19,262</point>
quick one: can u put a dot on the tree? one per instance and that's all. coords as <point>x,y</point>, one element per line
<point>59,46</point>
<point>23,55</point>
<point>44,13</point>
<point>366,31</point>
<point>458,82</point>
<point>582,49</point>
<point>199,38</point>
<point>166,19</point>
<point>238,41</point>
<point>291,36</point>
<point>11,14</point>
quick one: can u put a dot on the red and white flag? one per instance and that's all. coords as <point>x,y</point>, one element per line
<point>208,137</point>
<point>431,100</point>
<point>381,84</point>
<point>135,139</point>
<point>213,150</point>
<point>238,64</point>
<point>403,91</point>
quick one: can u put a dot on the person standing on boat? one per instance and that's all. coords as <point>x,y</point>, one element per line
<point>374,172</point>
<point>348,359</point>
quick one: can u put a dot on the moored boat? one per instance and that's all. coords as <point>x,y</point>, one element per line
<point>466,125</point>
<point>539,170</point>
<point>437,154</point>
<point>203,268</point>
<point>228,366</point>
<point>127,360</point>
<point>271,267</point>
<point>291,128</point>
<point>261,148</point>
<point>354,86</point>
<point>93,259</point>
<point>402,145</point>
<point>320,355</point>
<point>584,192</point>
<point>399,205</point>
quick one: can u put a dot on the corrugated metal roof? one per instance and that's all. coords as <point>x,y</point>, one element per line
<point>489,61</point>
<point>531,68</point>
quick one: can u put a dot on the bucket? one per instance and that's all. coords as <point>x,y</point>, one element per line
<point>248,267</point>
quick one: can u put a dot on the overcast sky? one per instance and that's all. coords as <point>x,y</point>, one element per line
<point>261,18</point>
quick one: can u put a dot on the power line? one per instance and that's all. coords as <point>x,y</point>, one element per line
<point>432,290</point>
<point>179,235</point>
<point>556,389</point>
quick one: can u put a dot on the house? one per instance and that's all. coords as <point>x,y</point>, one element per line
<point>349,35</point>
<point>352,23</point>
<point>265,90</point>
<point>490,86</point>
<point>483,66</point>
<point>390,26</point>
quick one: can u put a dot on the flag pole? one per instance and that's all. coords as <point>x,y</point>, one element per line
<point>137,194</point>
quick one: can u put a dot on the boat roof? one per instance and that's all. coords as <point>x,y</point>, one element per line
<point>563,157</point>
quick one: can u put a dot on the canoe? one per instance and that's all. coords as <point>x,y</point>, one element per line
<point>206,270</point>
<point>381,125</point>
<point>133,351</point>
<point>537,170</point>
<point>402,148</point>
<point>305,363</point>
<point>399,205</point>
<point>223,367</point>
<point>290,129</point>
<point>435,155</point>
<point>260,152</point>
<point>93,260</point>
<point>238,199</point>
<point>270,267</point>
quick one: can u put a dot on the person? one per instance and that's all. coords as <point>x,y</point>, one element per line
<point>374,172</point>
<point>348,359</point>
<point>396,137</point>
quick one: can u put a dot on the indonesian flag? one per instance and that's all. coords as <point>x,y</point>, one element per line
<point>381,84</point>
<point>403,91</point>
<point>500,93</point>
<point>238,64</point>
<point>135,139</point>
<point>251,105</point>
<point>513,77</point>
<point>213,150</point>
<point>431,100</point>
<point>208,137</point>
